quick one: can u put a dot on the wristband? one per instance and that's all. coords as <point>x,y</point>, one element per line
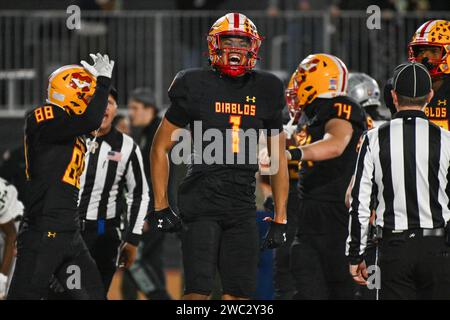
<point>296,154</point>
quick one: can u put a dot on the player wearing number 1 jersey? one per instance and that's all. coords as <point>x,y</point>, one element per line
<point>329,127</point>
<point>217,199</point>
<point>49,243</point>
<point>430,46</point>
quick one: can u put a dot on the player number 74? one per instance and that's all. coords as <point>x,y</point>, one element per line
<point>343,109</point>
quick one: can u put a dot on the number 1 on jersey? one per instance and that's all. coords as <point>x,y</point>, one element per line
<point>236,123</point>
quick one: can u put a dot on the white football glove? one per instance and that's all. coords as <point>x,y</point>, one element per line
<point>289,128</point>
<point>3,282</point>
<point>102,65</point>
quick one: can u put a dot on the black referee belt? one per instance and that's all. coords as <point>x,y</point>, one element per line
<point>99,224</point>
<point>384,232</point>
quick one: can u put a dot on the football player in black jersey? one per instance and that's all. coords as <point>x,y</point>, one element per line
<point>49,242</point>
<point>330,127</point>
<point>283,283</point>
<point>365,90</point>
<point>430,45</point>
<point>217,200</point>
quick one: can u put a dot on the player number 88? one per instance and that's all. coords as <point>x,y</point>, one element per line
<point>75,168</point>
<point>44,113</point>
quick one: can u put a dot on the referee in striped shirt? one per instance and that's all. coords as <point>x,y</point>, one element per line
<point>405,164</point>
<point>113,182</point>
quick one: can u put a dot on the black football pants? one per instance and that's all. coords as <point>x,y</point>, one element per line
<point>40,255</point>
<point>318,261</point>
<point>104,249</point>
<point>414,267</point>
<point>283,281</point>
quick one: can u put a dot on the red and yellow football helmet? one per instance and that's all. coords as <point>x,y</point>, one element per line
<point>317,76</point>
<point>71,87</point>
<point>222,58</point>
<point>433,33</point>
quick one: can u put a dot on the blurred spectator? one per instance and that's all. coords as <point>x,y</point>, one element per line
<point>198,4</point>
<point>362,5</point>
<point>147,273</point>
<point>275,6</point>
<point>304,33</point>
<point>439,5</point>
<point>122,124</point>
<point>11,210</point>
<point>12,169</point>
<point>143,114</point>
<point>418,5</point>
<point>193,31</point>
<point>98,5</point>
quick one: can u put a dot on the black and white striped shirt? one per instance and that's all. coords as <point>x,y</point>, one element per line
<point>114,167</point>
<point>405,164</point>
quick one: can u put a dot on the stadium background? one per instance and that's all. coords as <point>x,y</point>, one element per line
<point>151,40</point>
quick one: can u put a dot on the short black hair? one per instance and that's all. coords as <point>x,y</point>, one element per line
<point>410,101</point>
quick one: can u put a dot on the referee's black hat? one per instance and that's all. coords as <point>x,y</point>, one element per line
<point>412,80</point>
<point>113,92</point>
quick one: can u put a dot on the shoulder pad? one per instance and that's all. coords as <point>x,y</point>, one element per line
<point>345,108</point>
<point>43,114</point>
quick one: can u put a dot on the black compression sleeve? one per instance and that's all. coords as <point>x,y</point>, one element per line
<point>93,116</point>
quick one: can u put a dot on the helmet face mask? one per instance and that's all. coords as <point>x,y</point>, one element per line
<point>431,56</point>
<point>291,96</point>
<point>233,44</point>
<point>234,53</point>
<point>430,45</point>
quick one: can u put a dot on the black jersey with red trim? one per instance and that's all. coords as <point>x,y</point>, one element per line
<point>54,152</point>
<point>438,110</point>
<point>328,180</point>
<point>234,110</point>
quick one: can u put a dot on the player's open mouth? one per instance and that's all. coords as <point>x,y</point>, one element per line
<point>235,59</point>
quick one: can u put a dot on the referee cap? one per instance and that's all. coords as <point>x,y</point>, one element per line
<point>113,92</point>
<point>412,80</point>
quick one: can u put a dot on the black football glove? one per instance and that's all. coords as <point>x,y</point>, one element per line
<point>268,204</point>
<point>276,236</point>
<point>166,220</point>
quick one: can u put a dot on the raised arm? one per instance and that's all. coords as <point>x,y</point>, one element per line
<point>55,125</point>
